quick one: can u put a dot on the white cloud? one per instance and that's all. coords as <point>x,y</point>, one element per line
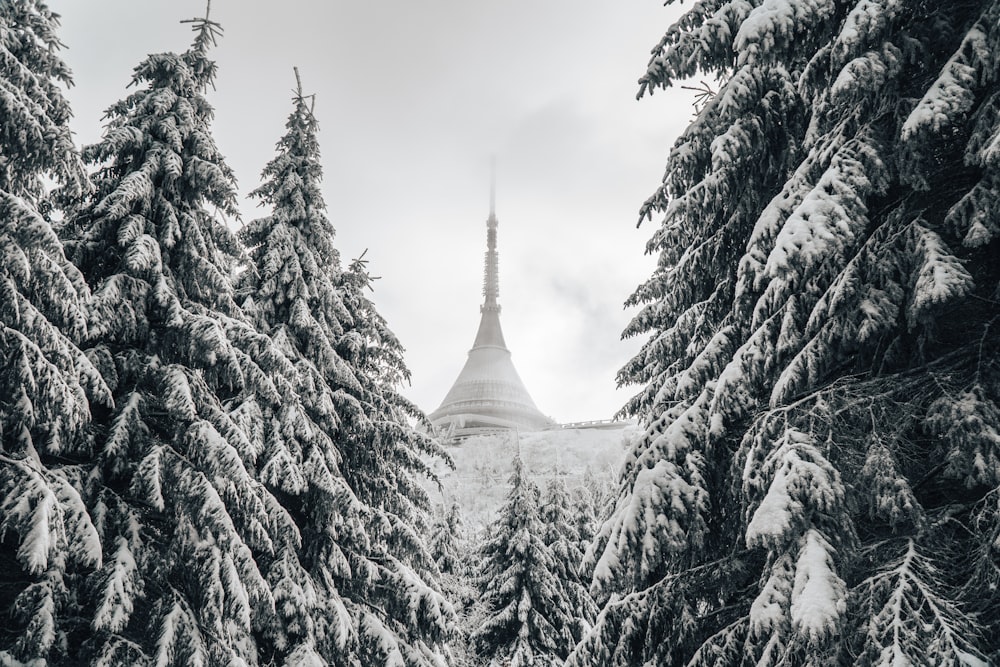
<point>413,98</point>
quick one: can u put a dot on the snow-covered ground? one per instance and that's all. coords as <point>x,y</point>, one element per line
<point>483,465</point>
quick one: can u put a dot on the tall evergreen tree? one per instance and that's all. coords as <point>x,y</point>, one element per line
<point>818,478</point>
<point>342,449</point>
<point>289,291</point>
<point>186,527</point>
<point>46,382</point>
<point>385,457</point>
<point>528,621</point>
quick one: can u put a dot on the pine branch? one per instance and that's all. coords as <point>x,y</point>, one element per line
<point>207,29</point>
<point>703,94</point>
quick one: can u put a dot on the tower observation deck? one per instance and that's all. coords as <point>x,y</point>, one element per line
<point>488,393</point>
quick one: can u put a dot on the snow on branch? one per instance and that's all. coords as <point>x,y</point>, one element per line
<point>663,510</point>
<point>47,514</point>
<point>824,227</point>
<point>774,24</point>
<point>864,27</point>
<point>967,423</point>
<point>953,93</point>
<point>702,35</point>
<point>912,620</point>
<point>799,521</point>
<point>803,487</point>
<point>940,277</point>
<point>972,216</point>
<point>866,75</point>
<point>118,589</point>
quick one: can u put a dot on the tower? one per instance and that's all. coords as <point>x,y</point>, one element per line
<point>488,393</point>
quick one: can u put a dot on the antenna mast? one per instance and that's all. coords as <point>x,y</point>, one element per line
<point>493,186</point>
<point>491,280</point>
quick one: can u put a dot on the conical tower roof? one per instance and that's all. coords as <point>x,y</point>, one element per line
<point>489,394</point>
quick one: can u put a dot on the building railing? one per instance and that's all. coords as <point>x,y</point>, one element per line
<point>596,423</point>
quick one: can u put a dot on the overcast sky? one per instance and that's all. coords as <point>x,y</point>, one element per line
<point>413,97</point>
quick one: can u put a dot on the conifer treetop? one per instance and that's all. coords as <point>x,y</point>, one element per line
<point>35,137</point>
<point>207,32</point>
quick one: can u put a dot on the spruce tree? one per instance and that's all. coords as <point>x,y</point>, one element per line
<point>289,292</point>
<point>46,383</point>
<point>817,480</point>
<point>186,527</point>
<point>446,540</point>
<point>339,449</point>
<point>528,614</point>
<point>584,517</point>
<point>385,455</point>
<point>563,539</point>
<point>452,554</point>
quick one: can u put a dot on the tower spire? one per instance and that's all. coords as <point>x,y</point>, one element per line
<point>491,279</point>
<point>488,393</point>
<point>493,186</point>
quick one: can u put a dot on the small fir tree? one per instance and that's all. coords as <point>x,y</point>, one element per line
<point>563,539</point>
<point>583,517</point>
<point>289,293</point>
<point>446,540</point>
<point>602,489</point>
<point>385,455</point>
<point>453,556</point>
<point>529,620</point>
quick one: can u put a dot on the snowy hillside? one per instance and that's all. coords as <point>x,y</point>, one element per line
<point>483,465</point>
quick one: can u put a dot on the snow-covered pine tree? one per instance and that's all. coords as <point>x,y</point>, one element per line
<point>385,456</point>
<point>600,488</point>
<point>446,541</point>
<point>584,517</point>
<point>563,540</point>
<point>46,382</point>
<point>289,292</point>
<point>528,619</point>
<point>454,555</point>
<point>351,473</point>
<point>818,479</point>
<point>186,527</point>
